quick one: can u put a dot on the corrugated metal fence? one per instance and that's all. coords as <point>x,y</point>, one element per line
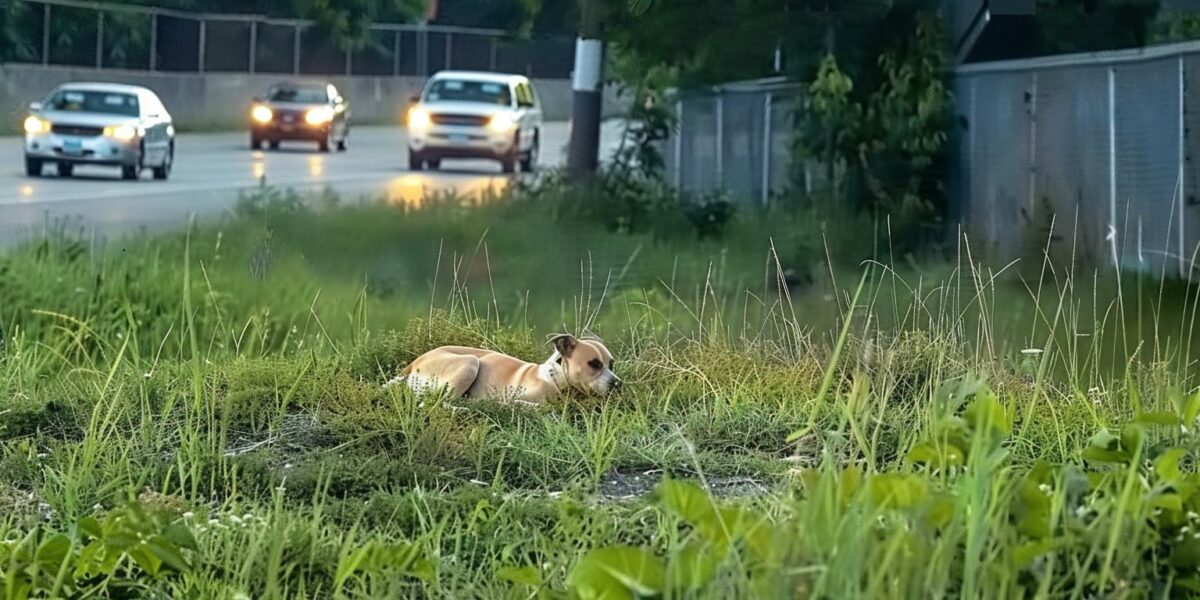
<point>1100,146</point>
<point>735,137</point>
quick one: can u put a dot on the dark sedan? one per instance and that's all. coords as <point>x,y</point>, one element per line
<point>300,112</point>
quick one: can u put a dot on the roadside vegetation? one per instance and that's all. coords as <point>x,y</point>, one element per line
<point>200,415</point>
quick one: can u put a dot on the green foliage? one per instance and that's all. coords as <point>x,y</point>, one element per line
<point>122,554</point>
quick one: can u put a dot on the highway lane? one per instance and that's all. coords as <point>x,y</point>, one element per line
<point>212,168</point>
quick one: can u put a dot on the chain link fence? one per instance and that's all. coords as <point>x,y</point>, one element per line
<point>735,137</point>
<point>1088,157</point>
<point>108,36</point>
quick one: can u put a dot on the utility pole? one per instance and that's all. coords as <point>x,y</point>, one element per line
<point>587,94</point>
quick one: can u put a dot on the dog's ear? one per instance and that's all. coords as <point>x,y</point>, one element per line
<point>565,344</point>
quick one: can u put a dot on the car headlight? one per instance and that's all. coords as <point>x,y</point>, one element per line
<point>501,123</point>
<point>418,118</point>
<point>35,124</point>
<point>121,132</point>
<point>262,114</point>
<point>319,116</point>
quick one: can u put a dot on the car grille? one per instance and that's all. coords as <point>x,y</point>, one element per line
<point>76,130</point>
<point>290,116</point>
<point>447,119</point>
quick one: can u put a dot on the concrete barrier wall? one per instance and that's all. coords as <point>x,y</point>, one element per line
<point>222,100</point>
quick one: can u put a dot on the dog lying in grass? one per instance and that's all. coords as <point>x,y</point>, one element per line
<point>580,364</point>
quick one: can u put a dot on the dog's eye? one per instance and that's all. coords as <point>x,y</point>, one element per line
<point>595,364</point>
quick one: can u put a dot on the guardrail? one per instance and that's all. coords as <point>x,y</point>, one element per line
<point>119,36</point>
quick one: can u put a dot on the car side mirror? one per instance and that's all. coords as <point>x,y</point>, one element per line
<point>35,106</point>
<point>415,98</point>
<point>259,99</point>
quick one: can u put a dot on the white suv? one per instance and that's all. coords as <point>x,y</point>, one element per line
<point>463,114</point>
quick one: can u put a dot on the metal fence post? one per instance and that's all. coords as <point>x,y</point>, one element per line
<point>45,34</point>
<point>1032,199</point>
<point>153,42</point>
<point>1182,171</point>
<point>767,147</point>
<point>349,63</point>
<point>99,39</point>
<point>423,50</point>
<point>449,50</point>
<point>679,142</point>
<point>720,138</point>
<point>492,57</point>
<point>203,44</point>
<point>253,60</point>
<point>1112,163</point>
<point>296,51</point>
<point>396,53</point>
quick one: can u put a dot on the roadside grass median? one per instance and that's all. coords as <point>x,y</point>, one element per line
<point>201,414</point>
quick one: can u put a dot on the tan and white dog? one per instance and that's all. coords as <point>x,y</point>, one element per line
<point>581,364</point>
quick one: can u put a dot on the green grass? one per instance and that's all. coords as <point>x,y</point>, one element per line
<point>199,415</point>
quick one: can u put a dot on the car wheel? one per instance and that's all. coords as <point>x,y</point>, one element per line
<point>529,161</point>
<point>255,143</point>
<point>65,169</point>
<point>33,167</point>
<point>323,145</point>
<point>163,171</point>
<point>415,162</point>
<point>341,146</point>
<point>508,164</point>
<point>274,144</point>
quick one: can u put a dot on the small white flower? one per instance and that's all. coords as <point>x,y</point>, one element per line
<point>189,514</point>
<point>1031,351</point>
<point>1045,489</point>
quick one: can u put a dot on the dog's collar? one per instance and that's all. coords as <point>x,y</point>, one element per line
<point>553,373</point>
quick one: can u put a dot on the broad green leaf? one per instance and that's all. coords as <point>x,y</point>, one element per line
<point>694,566</point>
<point>898,491</point>
<point>349,564</point>
<point>988,415</point>
<point>52,553</point>
<point>1189,409</point>
<point>1166,466</point>
<point>1186,554</point>
<point>1024,554</point>
<point>91,527</point>
<point>145,558</point>
<point>168,553</point>
<point>688,502</point>
<point>179,534</point>
<point>1159,418</point>
<point>527,575</point>
<point>617,572</point>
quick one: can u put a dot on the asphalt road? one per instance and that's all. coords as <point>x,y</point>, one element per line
<point>212,168</point>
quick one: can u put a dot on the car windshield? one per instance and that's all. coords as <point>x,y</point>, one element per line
<point>455,90</point>
<point>88,101</point>
<point>299,95</point>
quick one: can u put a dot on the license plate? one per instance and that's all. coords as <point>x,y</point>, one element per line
<point>74,147</point>
<point>288,118</point>
<point>286,127</point>
<point>458,138</point>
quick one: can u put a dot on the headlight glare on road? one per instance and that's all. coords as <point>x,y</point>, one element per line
<point>121,132</point>
<point>35,124</point>
<point>319,116</point>
<point>418,118</point>
<point>501,123</point>
<point>262,114</point>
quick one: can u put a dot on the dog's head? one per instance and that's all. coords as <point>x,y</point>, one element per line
<point>586,364</point>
